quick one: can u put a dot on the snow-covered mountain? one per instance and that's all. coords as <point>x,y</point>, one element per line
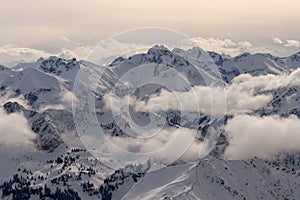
<point>60,167</point>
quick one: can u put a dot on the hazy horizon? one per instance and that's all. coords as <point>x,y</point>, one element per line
<point>32,29</point>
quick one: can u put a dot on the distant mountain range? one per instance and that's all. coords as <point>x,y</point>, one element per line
<point>61,167</point>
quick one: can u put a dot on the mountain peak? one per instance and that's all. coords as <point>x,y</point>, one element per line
<point>12,107</point>
<point>159,50</point>
<point>58,66</point>
<point>245,54</point>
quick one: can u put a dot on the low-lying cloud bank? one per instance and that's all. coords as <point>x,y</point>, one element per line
<point>267,82</point>
<point>264,137</point>
<point>211,101</point>
<point>243,95</point>
<point>15,132</point>
<point>248,135</point>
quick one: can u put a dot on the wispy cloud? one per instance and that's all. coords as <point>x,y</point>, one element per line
<point>11,55</point>
<point>233,48</point>
<point>226,46</point>
<point>292,43</point>
<point>277,40</point>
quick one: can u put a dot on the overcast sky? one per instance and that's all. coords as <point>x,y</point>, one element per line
<point>53,25</point>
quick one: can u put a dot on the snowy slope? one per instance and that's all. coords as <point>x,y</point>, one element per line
<point>219,179</point>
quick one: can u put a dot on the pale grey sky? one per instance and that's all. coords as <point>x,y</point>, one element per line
<point>51,25</point>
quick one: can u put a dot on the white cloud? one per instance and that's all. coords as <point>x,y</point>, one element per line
<point>243,95</point>
<point>215,42</point>
<point>244,44</point>
<point>79,53</point>
<point>108,50</point>
<point>226,46</point>
<point>11,55</point>
<point>248,136</point>
<point>277,40</point>
<point>233,48</point>
<point>15,132</point>
<point>67,98</point>
<point>263,137</point>
<point>211,101</point>
<point>267,82</point>
<point>16,51</point>
<point>292,43</point>
<point>169,144</point>
<point>54,107</point>
<point>67,54</point>
<point>146,145</point>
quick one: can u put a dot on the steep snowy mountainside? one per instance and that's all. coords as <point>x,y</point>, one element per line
<point>229,67</point>
<point>292,61</point>
<point>49,83</point>
<point>31,79</point>
<point>218,179</point>
<point>64,68</point>
<point>165,60</point>
<point>67,69</point>
<point>254,64</point>
<point>22,66</point>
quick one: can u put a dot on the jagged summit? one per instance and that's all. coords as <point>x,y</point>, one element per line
<point>158,48</point>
